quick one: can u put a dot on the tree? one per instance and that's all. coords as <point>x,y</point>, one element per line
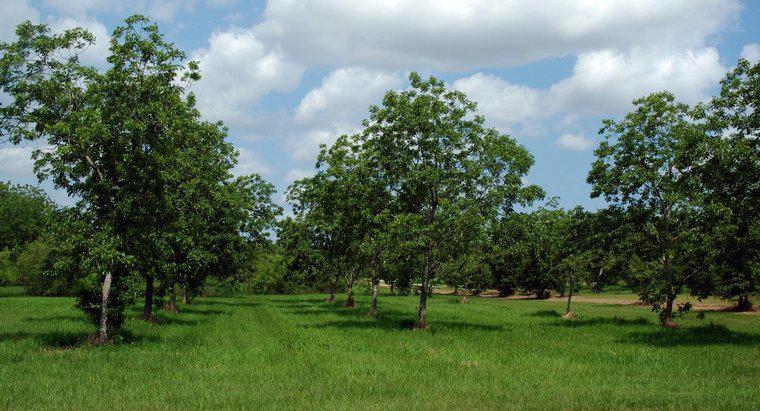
<point>25,212</point>
<point>729,171</point>
<point>640,168</point>
<point>443,166</point>
<point>331,201</point>
<point>115,140</point>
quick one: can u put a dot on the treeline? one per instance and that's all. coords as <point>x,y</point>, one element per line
<point>425,194</point>
<point>156,202</point>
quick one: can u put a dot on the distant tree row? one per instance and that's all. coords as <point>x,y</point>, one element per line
<point>426,195</point>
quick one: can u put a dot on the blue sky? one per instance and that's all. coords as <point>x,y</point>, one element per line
<point>288,75</point>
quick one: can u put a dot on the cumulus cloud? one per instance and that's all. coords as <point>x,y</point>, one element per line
<point>751,52</point>
<point>337,107</point>
<point>16,162</point>
<point>237,70</point>
<point>14,12</point>
<point>504,105</point>
<point>250,162</point>
<point>458,35</point>
<point>606,81</point>
<point>575,142</point>
<point>96,53</point>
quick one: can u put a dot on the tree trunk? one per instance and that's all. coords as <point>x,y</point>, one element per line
<point>375,291</point>
<point>102,337</point>
<point>464,296</point>
<point>185,295</point>
<point>422,311</point>
<point>666,317</point>
<point>744,304</point>
<point>148,308</point>
<point>350,293</point>
<point>568,313</point>
<point>172,306</point>
<point>331,299</point>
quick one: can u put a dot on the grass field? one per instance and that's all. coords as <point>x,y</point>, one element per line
<point>300,352</point>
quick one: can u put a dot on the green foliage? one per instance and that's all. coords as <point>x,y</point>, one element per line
<point>447,171</point>
<point>639,168</point>
<point>729,171</point>
<point>129,143</point>
<point>268,275</point>
<point>24,213</point>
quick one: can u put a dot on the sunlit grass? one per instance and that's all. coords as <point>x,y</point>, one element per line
<point>298,351</point>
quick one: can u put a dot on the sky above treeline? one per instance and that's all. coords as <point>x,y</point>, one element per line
<point>286,76</point>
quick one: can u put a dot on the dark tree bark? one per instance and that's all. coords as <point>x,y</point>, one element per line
<point>666,316</point>
<point>375,291</point>
<point>148,307</point>
<point>744,304</point>
<point>422,311</point>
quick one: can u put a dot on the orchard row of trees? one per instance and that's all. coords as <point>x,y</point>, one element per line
<point>426,194</point>
<point>155,197</point>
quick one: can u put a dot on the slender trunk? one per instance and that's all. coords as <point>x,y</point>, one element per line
<point>332,290</point>
<point>148,308</point>
<point>464,296</point>
<point>375,291</point>
<point>105,292</point>
<point>666,317</point>
<point>185,296</point>
<point>172,306</point>
<point>350,292</point>
<point>422,311</point>
<point>568,313</point>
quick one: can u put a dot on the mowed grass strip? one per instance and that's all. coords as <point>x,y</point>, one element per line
<point>301,352</point>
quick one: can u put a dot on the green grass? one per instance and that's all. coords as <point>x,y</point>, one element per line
<point>300,352</point>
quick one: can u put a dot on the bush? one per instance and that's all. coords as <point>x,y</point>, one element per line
<point>31,270</point>
<point>268,276</point>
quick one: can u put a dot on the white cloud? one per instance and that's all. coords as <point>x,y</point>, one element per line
<point>237,70</point>
<point>16,163</point>
<point>96,53</point>
<point>297,174</point>
<point>575,142</point>
<point>751,52</point>
<point>337,107</point>
<point>14,12</point>
<point>606,81</point>
<point>249,162</point>
<point>459,35</point>
<point>504,105</point>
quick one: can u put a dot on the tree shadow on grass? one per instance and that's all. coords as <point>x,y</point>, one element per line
<point>545,313</point>
<point>52,318</point>
<point>66,340</point>
<point>710,334</point>
<point>223,303</point>
<point>590,322</point>
<point>392,323</point>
